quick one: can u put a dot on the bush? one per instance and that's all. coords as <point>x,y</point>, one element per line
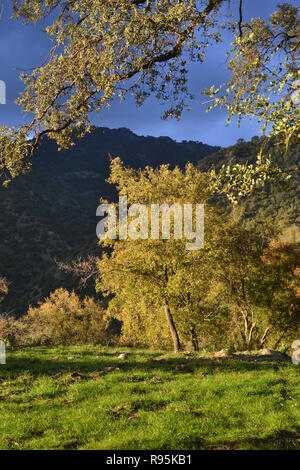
<point>63,318</point>
<point>3,287</point>
<point>12,331</point>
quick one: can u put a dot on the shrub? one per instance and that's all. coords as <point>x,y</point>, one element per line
<point>3,287</point>
<point>12,331</point>
<point>63,318</point>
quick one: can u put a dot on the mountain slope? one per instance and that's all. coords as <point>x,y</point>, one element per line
<point>272,206</point>
<point>49,213</point>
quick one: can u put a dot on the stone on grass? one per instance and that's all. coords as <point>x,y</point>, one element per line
<point>222,353</point>
<point>123,356</point>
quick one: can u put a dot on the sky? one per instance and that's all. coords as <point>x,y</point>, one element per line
<point>24,47</point>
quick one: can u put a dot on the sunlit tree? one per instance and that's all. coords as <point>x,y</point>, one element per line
<point>157,272</point>
<point>108,49</point>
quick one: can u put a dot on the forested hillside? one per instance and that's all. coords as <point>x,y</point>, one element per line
<point>49,214</point>
<point>275,206</point>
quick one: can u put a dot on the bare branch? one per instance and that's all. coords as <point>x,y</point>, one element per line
<point>83,268</point>
<point>241,18</point>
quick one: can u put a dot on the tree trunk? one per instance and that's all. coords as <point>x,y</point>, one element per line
<point>173,331</point>
<point>264,337</point>
<point>194,339</point>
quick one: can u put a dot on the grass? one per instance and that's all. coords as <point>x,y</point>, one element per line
<point>70,398</point>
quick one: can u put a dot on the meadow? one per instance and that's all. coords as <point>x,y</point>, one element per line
<point>89,398</point>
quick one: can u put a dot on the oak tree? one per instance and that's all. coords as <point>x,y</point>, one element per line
<point>102,50</point>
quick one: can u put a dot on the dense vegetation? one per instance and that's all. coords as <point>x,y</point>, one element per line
<point>50,213</point>
<point>240,292</point>
<point>55,220</point>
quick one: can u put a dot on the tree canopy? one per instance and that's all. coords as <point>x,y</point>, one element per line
<point>265,76</point>
<point>106,49</point>
<point>241,287</point>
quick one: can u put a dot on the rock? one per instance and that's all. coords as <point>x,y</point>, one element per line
<point>157,378</point>
<point>265,352</point>
<point>221,353</point>
<point>270,352</point>
<point>123,356</point>
<point>78,376</point>
<point>97,373</point>
<point>56,375</point>
<point>273,355</point>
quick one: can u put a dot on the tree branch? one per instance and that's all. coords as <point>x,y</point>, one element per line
<point>241,18</point>
<point>160,58</point>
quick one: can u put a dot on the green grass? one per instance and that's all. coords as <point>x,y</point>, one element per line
<point>151,402</point>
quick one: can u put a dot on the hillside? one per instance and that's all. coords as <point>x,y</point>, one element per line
<point>273,206</point>
<point>49,213</point>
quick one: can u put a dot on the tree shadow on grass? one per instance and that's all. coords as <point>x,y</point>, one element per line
<point>87,363</point>
<point>280,440</point>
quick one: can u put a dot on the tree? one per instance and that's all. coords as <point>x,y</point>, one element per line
<point>258,281</point>
<point>153,272</point>
<point>265,77</point>
<point>264,85</point>
<point>114,47</point>
<point>239,273</point>
<point>282,261</point>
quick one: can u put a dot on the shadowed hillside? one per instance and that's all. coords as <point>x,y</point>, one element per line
<point>49,213</point>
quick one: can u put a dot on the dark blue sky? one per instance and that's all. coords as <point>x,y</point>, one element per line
<point>23,47</point>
